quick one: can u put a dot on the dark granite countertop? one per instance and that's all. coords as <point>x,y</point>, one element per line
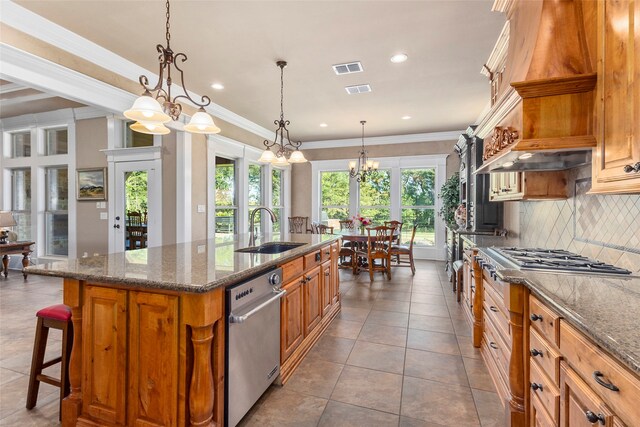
<point>195,267</point>
<point>604,307</point>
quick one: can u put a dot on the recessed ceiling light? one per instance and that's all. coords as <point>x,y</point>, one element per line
<point>323,125</point>
<point>507,164</point>
<point>398,58</point>
<point>217,86</point>
<point>525,156</point>
<point>406,117</point>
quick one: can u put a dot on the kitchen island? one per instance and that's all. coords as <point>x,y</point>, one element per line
<point>149,325</point>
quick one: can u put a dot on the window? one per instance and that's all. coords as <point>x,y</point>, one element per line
<point>277,196</point>
<point>334,197</point>
<point>375,196</point>
<point>136,139</point>
<point>55,142</point>
<point>226,198</point>
<point>255,194</point>
<point>21,202</point>
<point>56,211</point>
<point>418,205</point>
<point>21,144</point>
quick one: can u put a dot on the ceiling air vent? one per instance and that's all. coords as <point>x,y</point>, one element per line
<point>348,68</point>
<point>352,90</point>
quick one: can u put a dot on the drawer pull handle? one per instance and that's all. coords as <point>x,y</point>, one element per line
<point>535,317</point>
<point>597,375</point>
<point>593,418</point>
<point>493,345</point>
<point>632,168</point>
<point>536,386</point>
<point>535,353</point>
<point>493,308</point>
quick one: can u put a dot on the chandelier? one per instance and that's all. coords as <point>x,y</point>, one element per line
<point>363,167</point>
<point>150,115</point>
<point>283,152</point>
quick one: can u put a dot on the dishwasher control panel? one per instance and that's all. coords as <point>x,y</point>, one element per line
<point>254,290</point>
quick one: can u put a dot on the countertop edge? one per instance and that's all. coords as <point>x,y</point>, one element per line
<point>198,289</point>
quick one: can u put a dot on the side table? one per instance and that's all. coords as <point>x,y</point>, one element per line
<point>12,248</point>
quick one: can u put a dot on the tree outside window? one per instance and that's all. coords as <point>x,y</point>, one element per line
<point>334,197</point>
<point>418,205</point>
<point>277,197</point>
<point>255,194</point>
<point>375,197</point>
<point>226,203</point>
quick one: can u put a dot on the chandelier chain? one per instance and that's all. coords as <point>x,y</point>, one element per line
<point>168,25</point>
<point>282,93</point>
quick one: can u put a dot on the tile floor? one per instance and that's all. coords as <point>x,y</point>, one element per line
<point>398,354</point>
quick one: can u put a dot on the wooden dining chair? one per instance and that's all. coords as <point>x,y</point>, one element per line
<point>398,226</point>
<point>378,249</point>
<point>317,228</point>
<point>136,230</point>
<point>404,254</point>
<point>299,224</point>
<point>346,225</point>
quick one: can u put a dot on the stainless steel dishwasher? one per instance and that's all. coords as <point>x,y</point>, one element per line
<point>253,342</point>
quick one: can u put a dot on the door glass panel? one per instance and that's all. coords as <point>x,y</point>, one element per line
<point>21,202</point>
<point>277,197</point>
<point>226,203</point>
<point>55,142</point>
<point>56,213</point>
<point>21,144</point>
<point>418,205</point>
<point>334,198</point>
<point>136,209</point>
<point>255,194</point>
<point>136,139</point>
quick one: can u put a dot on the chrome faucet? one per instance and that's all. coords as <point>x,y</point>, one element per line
<point>252,229</point>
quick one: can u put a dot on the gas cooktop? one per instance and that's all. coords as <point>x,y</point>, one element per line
<point>557,260</point>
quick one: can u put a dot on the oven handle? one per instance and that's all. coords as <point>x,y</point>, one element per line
<point>243,317</point>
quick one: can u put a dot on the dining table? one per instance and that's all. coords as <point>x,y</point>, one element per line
<point>360,238</point>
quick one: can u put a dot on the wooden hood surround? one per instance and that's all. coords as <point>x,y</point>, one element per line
<point>546,103</point>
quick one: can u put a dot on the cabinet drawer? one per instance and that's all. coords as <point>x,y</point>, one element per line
<point>313,259</point>
<point>496,285</point>
<point>326,253</point>
<point>598,370</point>
<point>292,269</point>
<point>543,320</point>
<point>500,351</point>
<point>543,355</point>
<point>545,390</point>
<point>539,415</point>
<point>497,313</point>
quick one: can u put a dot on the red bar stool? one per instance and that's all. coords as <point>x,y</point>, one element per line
<point>56,317</point>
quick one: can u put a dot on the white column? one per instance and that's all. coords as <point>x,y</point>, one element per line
<point>183,187</point>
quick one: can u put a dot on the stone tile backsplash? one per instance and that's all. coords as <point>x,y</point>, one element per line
<point>605,227</point>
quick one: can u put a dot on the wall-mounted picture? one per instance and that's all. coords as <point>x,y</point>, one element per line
<point>92,184</point>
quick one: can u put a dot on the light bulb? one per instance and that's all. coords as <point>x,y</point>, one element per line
<point>352,165</point>
<point>375,165</point>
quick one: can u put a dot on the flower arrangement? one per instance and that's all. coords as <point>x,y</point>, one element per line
<point>461,216</point>
<point>360,221</point>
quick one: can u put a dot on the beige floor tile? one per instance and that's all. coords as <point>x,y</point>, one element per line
<point>438,403</point>
<point>45,414</point>
<point>397,287</point>
<point>430,309</point>
<point>394,295</point>
<point>430,290</point>
<point>338,414</point>
<point>388,318</point>
<point>284,407</point>
<point>356,303</point>
<point>315,377</point>
<point>390,335</point>
<point>478,374</point>
<point>412,422</point>
<point>7,375</point>
<point>466,347</point>
<point>431,323</point>
<point>428,298</point>
<point>353,313</point>
<point>332,349</point>
<point>380,357</point>
<point>433,341</point>
<point>390,305</point>
<point>439,367</point>
<point>490,409</point>
<point>361,294</point>
<point>344,329</point>
<point>370,389</point>
<point>14,395</point>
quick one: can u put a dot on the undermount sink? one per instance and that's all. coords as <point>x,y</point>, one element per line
<point>270,248</point>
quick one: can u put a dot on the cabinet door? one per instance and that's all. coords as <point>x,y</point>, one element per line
<point>312,300</point>
<point>326,284</point>
<point>579,405</point>
<point>618,135</point>
<point>539,416</point>
<point>291,318</point>
<point>494,188</point>
<point>335,278</point>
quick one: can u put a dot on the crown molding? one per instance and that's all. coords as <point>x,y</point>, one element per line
<point>384,140</point>
<point>499,53</point>
<point>36,26</point>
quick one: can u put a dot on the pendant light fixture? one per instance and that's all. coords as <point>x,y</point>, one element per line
<point>363,167</point>
<point>283,152</point>
<point>147,111</point>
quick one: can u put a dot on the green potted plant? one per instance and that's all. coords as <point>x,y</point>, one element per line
<point>450,195</point>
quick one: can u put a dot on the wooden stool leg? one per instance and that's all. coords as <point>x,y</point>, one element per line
<point>67,344</point>
<point>39,348</point>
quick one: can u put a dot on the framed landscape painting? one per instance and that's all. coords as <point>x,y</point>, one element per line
<point>91,184</point>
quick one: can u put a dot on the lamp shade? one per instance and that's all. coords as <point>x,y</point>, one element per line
<point>297,157</point>
<point>201,122</point>
<point>267,156</point>
<point>6,219</point>
<point>147,109</point>
<point>151,128</point>
<point>280,161</point>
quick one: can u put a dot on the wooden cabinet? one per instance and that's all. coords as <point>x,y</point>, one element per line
<point>579,406</point>
<point>529,185</point>
<point>616,160</point>
<point>311,302</point>
<point>291,318</point>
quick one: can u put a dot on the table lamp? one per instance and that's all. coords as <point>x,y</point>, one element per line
<point>6,220</point>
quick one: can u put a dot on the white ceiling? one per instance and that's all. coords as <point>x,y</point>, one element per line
<point>237,43</point>
<point>16,100</point>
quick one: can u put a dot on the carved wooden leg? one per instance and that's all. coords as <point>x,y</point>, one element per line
<point>515,409</point>
<point>477,305</point>
<point>25,263</point>
<point>5,265</point>
<point>72,404</point>
<point>201,392</point>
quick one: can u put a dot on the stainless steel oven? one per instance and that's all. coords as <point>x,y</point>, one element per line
<point>253,342</point>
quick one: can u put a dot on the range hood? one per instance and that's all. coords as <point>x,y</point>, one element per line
<point>544,119</point>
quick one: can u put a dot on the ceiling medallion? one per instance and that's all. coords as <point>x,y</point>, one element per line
<point>149,115</point>
<point>283,152</point>
<point>363,167</point>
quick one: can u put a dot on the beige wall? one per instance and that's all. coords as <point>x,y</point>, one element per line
<point>198,187</point>
<point>92,232</point>
<point>169,163</point>
<point>301,173</point>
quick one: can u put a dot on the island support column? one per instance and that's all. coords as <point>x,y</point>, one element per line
<point>72,404</point>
